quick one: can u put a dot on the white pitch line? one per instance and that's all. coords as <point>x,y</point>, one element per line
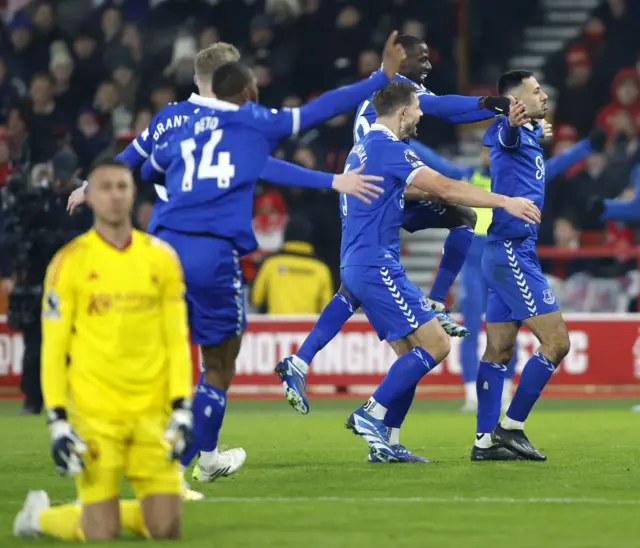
<point>453,500</point>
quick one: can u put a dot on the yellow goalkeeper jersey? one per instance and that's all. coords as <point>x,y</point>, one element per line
<point>114,328</point>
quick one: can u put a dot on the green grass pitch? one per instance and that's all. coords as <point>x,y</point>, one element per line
<point>306,482</point>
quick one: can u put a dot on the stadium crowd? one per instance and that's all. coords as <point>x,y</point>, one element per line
<point>86,76</point>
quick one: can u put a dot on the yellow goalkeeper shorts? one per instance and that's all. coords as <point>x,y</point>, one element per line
<point>133,448</point>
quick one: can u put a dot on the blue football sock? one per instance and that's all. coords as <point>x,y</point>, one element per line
<point>535,375</point>
<point>209,406</point>
<point>193,449</point>
<point>456,247</point>
<point>403,375</point>
<point>399,409</point>
<point>489,389</point>
<point>331,320</point>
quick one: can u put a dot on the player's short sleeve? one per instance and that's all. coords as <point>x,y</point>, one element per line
<point>161,157</point>
<point>401,162</point>
<point>274,124</point>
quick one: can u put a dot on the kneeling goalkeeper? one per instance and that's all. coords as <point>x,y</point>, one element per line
<point>116,375</point>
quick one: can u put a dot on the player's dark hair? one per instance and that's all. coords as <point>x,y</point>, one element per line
<point>392,97</point>
<point>107,162</point>
<point>230,79</point>
<point>512,79</point>
<point>407,41</point>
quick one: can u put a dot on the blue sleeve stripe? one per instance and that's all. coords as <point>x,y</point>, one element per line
<point>140,150</point>
<point>155,165</point>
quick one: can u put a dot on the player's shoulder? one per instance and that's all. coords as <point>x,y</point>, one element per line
<point>253,113</point>
<point>69,255</point>
<point>491,134</point>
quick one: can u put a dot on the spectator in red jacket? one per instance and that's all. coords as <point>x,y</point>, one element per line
<point>625,92</point>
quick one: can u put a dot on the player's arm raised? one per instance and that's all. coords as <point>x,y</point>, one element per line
<point>58,313</point>
<point>461,193</point>
<point>353,183</point>
<point>174,333</point>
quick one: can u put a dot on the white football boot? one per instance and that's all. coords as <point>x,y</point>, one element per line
<point>214,464</point>
<point>26,522</point>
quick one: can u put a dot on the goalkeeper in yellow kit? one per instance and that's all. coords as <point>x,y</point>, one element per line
<point>116,375</point>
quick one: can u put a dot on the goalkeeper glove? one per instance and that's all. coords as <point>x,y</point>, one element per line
<point>497,105</point>
<point>179,433</point>
<point>67,447</point>
<point>598,138</point>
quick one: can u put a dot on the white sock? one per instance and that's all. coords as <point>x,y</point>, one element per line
<point>374,409</point>
<point>507,390</point>
<point>483,440</point>
<point>510,424</point>
<point>470,393</point>
<point>300,364</point>
<point>207,458</point>
<point>438,307</point>
<point>394,436</point>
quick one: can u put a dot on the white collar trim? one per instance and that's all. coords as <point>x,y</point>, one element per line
<point>211,102</point>
<point>529,126</point>
<point>385,130</point>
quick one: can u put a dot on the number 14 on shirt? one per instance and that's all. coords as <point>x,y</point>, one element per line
<point>223,170</point>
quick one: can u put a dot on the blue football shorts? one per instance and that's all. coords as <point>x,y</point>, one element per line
<point>420,215</point>
<point>392,303</point>
<point>517,289</point>
<point>215,294</point>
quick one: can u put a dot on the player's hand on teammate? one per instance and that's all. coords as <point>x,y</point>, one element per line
<point>517,113</point>
<point>524,209</point>
<point>76,198</point>
<point>392,56</point>
<point>547,129</point>
<point>357,185</point>
<point>179,433</point>
<point>67,447</point>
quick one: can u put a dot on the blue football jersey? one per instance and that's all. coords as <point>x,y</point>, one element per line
<point>371,232</point>
<point>212,164</point>
<point>366,115</point>
<point>516,171</point>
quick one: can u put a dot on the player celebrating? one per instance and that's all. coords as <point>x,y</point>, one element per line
<point>518,293</point>
<point>212,164</point>
<point>418,214</point>
<point>371,270</point>
<point>115,359</point>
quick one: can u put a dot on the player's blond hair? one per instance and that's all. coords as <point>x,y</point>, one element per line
<point>212,58</point>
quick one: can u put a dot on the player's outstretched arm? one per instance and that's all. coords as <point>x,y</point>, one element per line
<point>460,193</point>
<point>283,173</point>
<point>431,158</point>
<point>341,100</point>
<point>559,164</point>
<point>151,171</point>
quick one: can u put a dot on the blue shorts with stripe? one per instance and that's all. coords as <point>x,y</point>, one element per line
<point>420,215</point>
<point>392,303</point>
<point>517,289</point>
<point>215,295</point>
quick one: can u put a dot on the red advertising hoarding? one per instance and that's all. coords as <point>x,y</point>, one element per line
<point>605,352</point>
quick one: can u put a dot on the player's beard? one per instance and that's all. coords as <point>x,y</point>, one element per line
<point>409,131</point>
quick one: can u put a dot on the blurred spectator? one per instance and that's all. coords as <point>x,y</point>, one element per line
<point>25,57</point>
<point>269,220</point>
<point>132,40</point>
<point>124,74</point>
<point>625,95</point>
<point>107,102</point>
<point>181,68</point>
<point>89,140</point>
<point>163,94</point>
<point>577,103</point>
<point>18,126</point>
<point>143,213</point>
<point>111,26</point>
<point>88,65</point>
<point>293,280</point>
<point>61,68</point>
<point>368,61</point>
<point>207,37</point>
<point>6,163</point>
<point>44,23</point>
<point>10,90</point>
<point>142,119</point>
<point>47,119</point>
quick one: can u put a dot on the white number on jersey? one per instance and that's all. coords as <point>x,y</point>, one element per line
<point>223,170</point>
<point>540,172</point>
<point>362,124</point>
